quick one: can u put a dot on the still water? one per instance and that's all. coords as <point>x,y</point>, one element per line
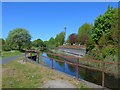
<point>84,73</point>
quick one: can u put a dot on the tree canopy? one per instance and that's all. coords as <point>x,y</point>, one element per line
<point>103,24</point>
<point>18,37</point>
<point>37,43</point>
<point>60,38</point>
<point>73,38</point>
<point>84,33</point>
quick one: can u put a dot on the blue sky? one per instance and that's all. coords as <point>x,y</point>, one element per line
<point>45,20</point>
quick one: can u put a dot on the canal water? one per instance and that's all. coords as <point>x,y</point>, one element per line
<point>84,73</point>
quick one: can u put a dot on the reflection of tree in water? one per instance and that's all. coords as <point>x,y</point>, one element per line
<point>71,68</point>
<point>60,63</point>
<point>52,56</point>
<point>56,57</point>
<point>82,72</point>
<point>90,75</point>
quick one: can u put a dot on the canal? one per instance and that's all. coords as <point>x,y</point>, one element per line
<point>83,73</point>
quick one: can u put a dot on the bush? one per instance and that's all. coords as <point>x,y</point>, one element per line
<point>6,48</point>
<point>108,50</point>
<point>96,53</point>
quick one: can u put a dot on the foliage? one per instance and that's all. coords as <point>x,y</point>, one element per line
<point>2,43</point>
<point>55,42</point>
<point>102,41</point>
<point>108,50</point>
<point>73,38</point>
<point>103,24</point>
<point>84,33</point>
<point>51,43</point>
<point>6,48</point>
<point>96,53</point>
<point>37,43</point>
<point>59,39</point>
<point>18,37</point>
<point>90,44</point>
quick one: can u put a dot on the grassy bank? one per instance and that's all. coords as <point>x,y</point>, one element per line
<point>17,75</point>
<point>10,53</point>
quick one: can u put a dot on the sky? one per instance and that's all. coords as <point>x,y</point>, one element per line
<point>46,19</point>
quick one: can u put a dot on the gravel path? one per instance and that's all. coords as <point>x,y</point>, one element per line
<point>58,84</point>
<point>8,59</point>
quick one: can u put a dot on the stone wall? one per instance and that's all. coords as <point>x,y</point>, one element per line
<point>79,51</point>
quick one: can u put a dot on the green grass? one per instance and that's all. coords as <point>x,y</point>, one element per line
<point>17,75</point>
<point>10,53</point>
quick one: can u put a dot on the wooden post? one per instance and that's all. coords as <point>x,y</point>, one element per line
<point>25,54</point>
<point>77,70</point>
<point>64,65</point>
<point>38,57</point>
<point>31,55</point>
<point>103,74</point>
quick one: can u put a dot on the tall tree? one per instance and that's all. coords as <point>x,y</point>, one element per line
<point>2,44</point>
<point>103,24</point>
<point>51,43</point>
<point>84,33</point>
<point>19,37</point>
<point>73,38</point>
<point>60,38</point>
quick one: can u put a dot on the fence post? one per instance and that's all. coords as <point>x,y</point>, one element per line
<point>31,55</point>
<point>25,53</point>
<point>38,56</point>
<point>103,74</point>
<point>77,70</point>
<point>64,65</point>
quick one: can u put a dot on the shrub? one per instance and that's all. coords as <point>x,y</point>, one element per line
<point>6,48</point>
<point>96,54</point>
<point>108,50</point>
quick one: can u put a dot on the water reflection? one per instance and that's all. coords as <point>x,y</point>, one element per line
<point>84,73</point>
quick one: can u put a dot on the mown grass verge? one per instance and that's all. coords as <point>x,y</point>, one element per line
<point>5,54</point>
<point>29,75</point>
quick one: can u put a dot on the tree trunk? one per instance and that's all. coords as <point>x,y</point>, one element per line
<point>19,47</point>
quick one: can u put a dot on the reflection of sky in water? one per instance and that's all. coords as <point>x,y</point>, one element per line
<point>68,71</point>
<point>47,61</point>
<point>56,64</point>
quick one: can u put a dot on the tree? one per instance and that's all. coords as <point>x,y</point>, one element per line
<point>103,24</point>
<point>90,44</point>
<point>73,38</point>
<point>51,43</point>
<point>38,43</point>
<point>84,33</point>
<point>19,37</point>
<point>2,41</point>
<point>59,39</point>
<point>2,44</point>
